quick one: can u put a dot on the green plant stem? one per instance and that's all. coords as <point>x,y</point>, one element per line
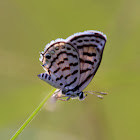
<point>32,116</point>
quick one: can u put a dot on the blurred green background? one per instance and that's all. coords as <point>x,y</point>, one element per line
<point>26,27</point>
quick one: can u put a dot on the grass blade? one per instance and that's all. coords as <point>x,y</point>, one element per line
<point>31,117</point>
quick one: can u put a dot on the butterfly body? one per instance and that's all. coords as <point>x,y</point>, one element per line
<point>71,64</point>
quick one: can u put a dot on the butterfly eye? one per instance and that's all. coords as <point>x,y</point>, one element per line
<point>81,96</point>
<point>48,56</point>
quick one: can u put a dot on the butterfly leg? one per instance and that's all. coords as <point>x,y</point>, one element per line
<point>60,98</point>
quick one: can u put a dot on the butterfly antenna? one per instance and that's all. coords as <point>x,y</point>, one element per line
<point>97,95</point>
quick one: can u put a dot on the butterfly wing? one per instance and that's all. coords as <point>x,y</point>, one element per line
<point>90,46</point>
<point>61,62</point>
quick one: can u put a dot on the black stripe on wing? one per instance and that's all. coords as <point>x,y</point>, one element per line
<point>71,82</point>
<point>97,35</point>
<point>86,45</point>
<point>73,64</point>
<point>85,80</point>
<point>66,68</point>
<point>89,54</point>
<point>62,52</point>
<point>61,62</point>
<point>86,61</point>
<point>56,70</point>
<point>59,78</point>
<point>71,74</point>
<point>83,71</point>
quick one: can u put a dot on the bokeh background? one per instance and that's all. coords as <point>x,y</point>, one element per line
<point>26,26</point>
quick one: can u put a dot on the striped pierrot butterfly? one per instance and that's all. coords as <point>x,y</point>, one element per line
<point>71,63</point>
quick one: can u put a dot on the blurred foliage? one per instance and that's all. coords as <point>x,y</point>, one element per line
<point>26,27</point>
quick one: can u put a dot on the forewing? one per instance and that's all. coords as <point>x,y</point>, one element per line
<point>61,62</point>
<point>90,46</point>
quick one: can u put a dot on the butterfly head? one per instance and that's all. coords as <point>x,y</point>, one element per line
<point>81,95</point>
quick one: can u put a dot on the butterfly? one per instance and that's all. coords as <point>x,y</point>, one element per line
<point>71,63</point>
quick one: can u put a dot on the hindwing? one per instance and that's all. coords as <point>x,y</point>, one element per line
<point>90,46</point>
